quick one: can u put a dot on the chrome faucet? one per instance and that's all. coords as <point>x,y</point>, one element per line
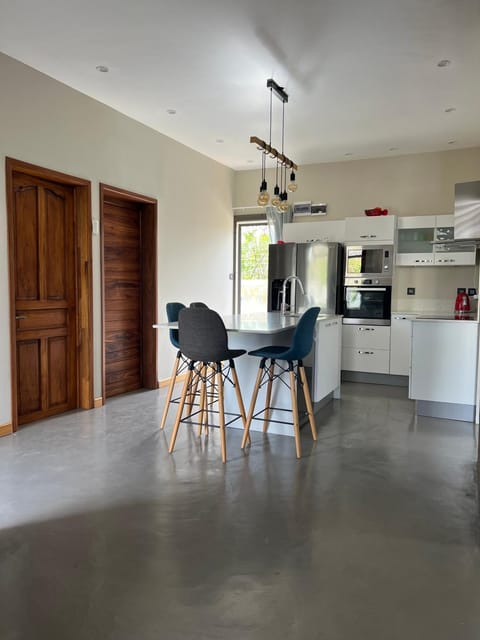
<point>283,306</point>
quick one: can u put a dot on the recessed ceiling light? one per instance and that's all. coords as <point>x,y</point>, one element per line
<point>451,141</point>
<point>443,63</point>
<point>393,149</point>
<point>219,141</point>
<point>102,68</point>
<point>450,109</point>
<point>171,112</point>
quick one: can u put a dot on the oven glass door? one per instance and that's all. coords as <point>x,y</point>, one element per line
<point>367,303</point>
<point>364,260</point>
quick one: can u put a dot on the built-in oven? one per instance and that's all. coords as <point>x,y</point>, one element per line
<point>368,261</point>
<point>366,301</point>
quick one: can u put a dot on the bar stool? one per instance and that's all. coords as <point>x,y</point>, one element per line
<point>293,355</point>
<point>204,341</point>
<point>198,305</point>
<point>180,363</point>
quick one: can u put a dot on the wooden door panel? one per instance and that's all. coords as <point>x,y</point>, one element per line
<point>57,351</point>
<point>26,231</point>
<point>42,319</point>
<point>123,297</point>
<point>45,297</point>
<point>56,258</point>
<point>29,377</point>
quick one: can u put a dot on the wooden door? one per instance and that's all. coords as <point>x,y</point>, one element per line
<point>44,281</point>
<point>122,247</point>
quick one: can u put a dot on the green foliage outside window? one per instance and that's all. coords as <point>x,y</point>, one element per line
<point>254,254</point>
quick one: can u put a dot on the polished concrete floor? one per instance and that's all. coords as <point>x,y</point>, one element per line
<point>373,534</point>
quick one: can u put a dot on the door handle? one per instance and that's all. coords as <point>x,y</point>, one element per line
<point>20,317</point>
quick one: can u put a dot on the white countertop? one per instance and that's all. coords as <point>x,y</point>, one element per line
<point>267,322</point>
<point>469,319</point>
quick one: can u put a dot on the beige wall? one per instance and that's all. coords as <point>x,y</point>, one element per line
<point>421,184</point>
<point>410,185</point>
<point>46,123</point>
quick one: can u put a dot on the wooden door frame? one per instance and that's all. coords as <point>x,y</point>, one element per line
<point>83,275</point>
<point>149,280</point>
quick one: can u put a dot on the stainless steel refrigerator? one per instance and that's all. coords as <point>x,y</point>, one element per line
<point>319,265</point>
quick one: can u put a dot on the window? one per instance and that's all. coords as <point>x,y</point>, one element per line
<point>251,260</point>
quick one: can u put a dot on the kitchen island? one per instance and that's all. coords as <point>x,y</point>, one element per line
<point>443,377</point>
<point>252,331</point>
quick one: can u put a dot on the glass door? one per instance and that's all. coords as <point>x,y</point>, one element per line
<point>251,265</point>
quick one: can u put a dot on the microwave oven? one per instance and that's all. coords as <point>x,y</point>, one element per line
<point>369,261</point>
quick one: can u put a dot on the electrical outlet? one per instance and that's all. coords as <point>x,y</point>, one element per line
<point>461,290</point>
<point>410,291</point>
<point>472,291</point>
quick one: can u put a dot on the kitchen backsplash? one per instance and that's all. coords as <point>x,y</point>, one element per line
<point>435,287</point>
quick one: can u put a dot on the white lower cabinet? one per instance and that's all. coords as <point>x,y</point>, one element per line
<point>401,344</point>
<point>366,348</point>
<point>328,343</point>
<point>444,357</point>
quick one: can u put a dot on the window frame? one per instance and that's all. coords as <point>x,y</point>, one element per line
<point>238,222</point>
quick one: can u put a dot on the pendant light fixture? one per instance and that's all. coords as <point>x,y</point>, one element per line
<point>280,195</point>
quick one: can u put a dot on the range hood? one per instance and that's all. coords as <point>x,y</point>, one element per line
<point>467,212</point>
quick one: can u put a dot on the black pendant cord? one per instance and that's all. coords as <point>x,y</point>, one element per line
<point>270,140</point>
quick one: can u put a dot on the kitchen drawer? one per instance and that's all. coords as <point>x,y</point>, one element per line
<point>366,336</point>
<point>367,360</point>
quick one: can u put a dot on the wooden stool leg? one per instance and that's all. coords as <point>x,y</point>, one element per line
<point>186,386</point>
<point>308,400</point>
<point>241,406</point>
<point>193,392</point>
<point>221,412</point>
<point>253,401</point>
<point>268,397</point>
<point>296,425</point>
<point>171,385</point>
<point>203,397</point>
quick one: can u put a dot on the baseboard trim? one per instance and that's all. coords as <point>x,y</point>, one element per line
<point>6,429</point>
<point>166,381</point>
<point>98,402</point>
<point>374,378</point>
<point>448,410</point>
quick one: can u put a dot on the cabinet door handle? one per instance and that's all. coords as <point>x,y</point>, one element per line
<point>366,329</point>
<point>20,317</point>
<point>364,236</point>
<point>366,353</point>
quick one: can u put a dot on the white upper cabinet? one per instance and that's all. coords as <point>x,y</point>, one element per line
<point>370,229</point>
<point>416,236</point>
<point>448,254</point>
<point>318,231</point>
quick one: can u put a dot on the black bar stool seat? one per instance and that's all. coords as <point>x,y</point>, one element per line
<point>204,341</point>
<point>293,355</point>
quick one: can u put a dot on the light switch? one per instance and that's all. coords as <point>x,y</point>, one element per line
<point>95,227</point>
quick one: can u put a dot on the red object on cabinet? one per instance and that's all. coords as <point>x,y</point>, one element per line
<point>462,303</point>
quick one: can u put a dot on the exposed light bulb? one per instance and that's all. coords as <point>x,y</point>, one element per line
<point>293,185</point>
<point>284,206</point>
<point>263,198</point>
<point>276,196</point>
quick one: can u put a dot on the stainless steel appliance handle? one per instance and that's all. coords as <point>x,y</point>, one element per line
<point>366,328</point>
<point>366,288</point>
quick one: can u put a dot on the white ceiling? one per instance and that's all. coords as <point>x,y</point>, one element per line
<point>362,75</point>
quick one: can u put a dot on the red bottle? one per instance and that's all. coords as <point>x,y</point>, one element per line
<point>462,303</point>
